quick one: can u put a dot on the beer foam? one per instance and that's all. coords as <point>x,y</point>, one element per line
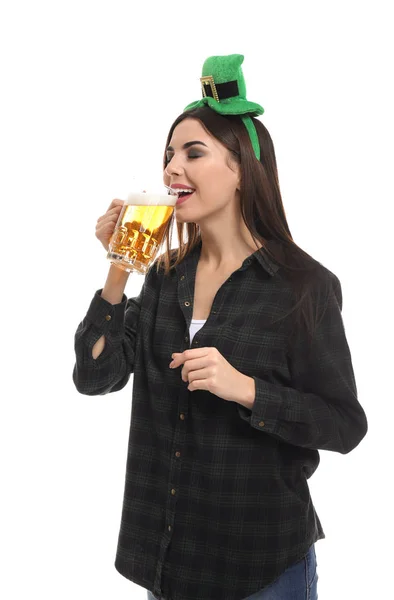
<point>136,199</point>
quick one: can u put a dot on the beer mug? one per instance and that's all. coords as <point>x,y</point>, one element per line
<point>141,228</point>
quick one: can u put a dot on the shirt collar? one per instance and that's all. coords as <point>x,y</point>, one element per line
<point>268,263</point>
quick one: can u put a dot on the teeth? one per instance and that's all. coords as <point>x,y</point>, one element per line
<point>178,190</point>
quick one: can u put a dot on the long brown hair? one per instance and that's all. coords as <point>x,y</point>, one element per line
<point>261,208</point>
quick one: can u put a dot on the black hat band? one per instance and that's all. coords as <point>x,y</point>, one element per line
<point>223,90</point>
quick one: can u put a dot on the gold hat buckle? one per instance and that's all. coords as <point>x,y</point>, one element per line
<point>208,80</point>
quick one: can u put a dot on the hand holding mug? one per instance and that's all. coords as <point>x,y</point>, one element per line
<point>106,223</point>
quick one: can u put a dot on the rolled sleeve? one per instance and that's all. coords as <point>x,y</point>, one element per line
<point>104,315</point>
<point>111,370</point>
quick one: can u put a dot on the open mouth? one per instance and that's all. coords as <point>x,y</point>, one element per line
<point>184,195</point>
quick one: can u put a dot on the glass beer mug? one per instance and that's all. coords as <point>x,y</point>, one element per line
<point>141,228</point>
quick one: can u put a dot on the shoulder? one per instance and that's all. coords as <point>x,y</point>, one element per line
<point>326,286</point>
<point>305,269</point>
<point>325,276</point>
<point>318,281</point>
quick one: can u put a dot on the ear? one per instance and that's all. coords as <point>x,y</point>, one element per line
<point>235,167</point>
<point>238,171</point>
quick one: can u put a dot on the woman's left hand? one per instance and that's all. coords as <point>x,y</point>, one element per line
<point>207,369</point>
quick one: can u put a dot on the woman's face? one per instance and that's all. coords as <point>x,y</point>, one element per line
<point>203,166</point>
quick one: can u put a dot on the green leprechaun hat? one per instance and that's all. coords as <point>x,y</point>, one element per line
<point>224,90</point>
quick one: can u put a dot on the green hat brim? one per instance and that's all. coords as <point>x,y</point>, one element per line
<point>229,106</point>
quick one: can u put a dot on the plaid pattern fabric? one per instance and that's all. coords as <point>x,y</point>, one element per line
<point>216,499</point>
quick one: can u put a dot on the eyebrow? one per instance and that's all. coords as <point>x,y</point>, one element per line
<point>187,145</point>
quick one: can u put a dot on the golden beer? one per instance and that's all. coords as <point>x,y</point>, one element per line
<point>140,230</point>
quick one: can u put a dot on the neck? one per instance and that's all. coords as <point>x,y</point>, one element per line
<point>226,243</point>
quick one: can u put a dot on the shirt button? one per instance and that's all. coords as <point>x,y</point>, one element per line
<point>261,424</point>
<point>186,338</point>
<point>108,317</point>
<point>169,528</point>
<point>187,303</point>
<point>182,278</point>
<point>177,454</point>
<point>182,417</point>
<point>173,492</point>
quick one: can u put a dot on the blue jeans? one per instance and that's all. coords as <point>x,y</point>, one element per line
<point>298,582</point>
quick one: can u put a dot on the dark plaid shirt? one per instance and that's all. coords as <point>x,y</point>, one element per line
<point>216,500</point>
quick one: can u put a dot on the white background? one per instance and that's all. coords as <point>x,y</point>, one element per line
<point>88,93</point>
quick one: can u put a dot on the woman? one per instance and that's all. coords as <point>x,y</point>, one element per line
<point>242,371</point>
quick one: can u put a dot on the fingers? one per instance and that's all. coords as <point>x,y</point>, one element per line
<point>111,214</point>
<point>115,203</point>
<point>200,374</point>
<point>197,364</point>
<point>105,224</point>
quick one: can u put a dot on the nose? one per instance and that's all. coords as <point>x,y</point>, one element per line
<point>174,167</point>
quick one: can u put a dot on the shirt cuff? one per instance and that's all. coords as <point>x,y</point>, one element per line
<point>266,407</point>
<point>102,313</point>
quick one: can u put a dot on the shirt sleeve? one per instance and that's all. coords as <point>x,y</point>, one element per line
<point>111,370</point>
<point>321,409</point>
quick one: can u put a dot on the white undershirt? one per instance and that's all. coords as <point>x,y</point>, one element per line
<point>195,326</point>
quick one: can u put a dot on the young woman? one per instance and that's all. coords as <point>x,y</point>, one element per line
<point>242,371</point>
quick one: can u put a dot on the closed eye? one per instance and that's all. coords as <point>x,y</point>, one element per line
<point>191,156</point>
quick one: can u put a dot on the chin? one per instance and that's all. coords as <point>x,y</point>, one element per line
<point>180,218</point>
